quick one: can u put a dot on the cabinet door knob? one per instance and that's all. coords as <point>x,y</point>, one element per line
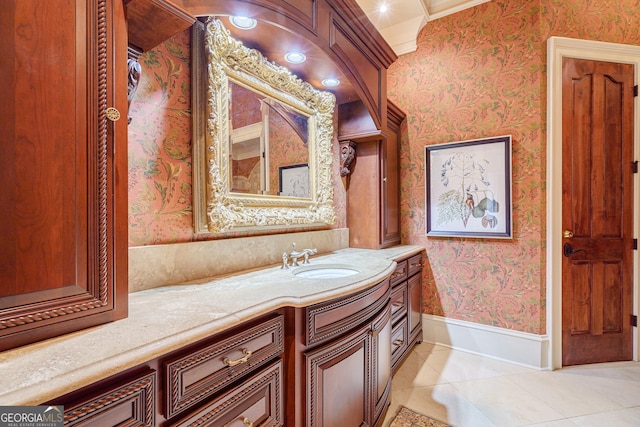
<point>567,234</point>
<point>113,114</point>
<point>246,421</point>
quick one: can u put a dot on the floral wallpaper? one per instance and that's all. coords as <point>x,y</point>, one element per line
<point>160,147</point>
<point>481,73</point>
<point>160,163</point>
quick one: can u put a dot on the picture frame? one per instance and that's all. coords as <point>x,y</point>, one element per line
<point>468,188</point>
<point>294,180</point>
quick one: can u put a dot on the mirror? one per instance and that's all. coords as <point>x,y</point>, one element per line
<point>268,145</point>
<point>262,139</point>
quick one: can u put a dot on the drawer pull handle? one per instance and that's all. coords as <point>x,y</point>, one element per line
<point>247,354</point>
<point>374,332</point>
<point>397,305</point>
<point>416,264</point>
<point>398,343</point>
<point>246,421</point>
<point>398,273</point>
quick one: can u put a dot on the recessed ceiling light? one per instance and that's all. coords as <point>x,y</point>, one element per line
<point>383,8</point>
<point>295,57</point>
<point>330,82</point>
<point>243,22</point>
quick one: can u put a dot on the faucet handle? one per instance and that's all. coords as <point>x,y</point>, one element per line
<point>285,261</point>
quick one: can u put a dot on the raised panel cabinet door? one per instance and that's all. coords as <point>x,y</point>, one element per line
<point>415,306</point>
<point>381,363</point>
<point>63,167</point>
<point>338,382</point>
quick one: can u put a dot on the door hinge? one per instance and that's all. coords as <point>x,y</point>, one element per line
<point>634,320</point>
<point>634,166</point>
<point>635,244</point>
<point>635,90</point>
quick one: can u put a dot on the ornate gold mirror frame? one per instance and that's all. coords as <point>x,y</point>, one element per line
<point>216,208</point>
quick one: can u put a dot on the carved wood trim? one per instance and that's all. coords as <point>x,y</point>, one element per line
<point>347,156</point>
<point>139,395</point>
<point>181,395</point>
<point>134,70</point>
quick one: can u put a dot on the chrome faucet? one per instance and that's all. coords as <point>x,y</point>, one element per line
<point>295,255</point>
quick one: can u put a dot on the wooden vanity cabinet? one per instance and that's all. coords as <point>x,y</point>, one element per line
<point>327,364</point>
<point>233,378</point>
<point>345,358</point>
<point>406,306</point>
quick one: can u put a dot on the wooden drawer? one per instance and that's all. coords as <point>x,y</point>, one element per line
<point>196,376</point>
<point>398,303</point>
<point>399,341</point>
<point>331,318</point>
<point>258,402</point>
<point>400,273</point>
<point>414,264</point>
<point>129,402</point>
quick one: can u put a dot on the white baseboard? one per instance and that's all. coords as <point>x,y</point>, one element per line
<point>497,343</point>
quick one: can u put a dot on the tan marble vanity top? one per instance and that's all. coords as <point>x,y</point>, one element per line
<point>164,319</point>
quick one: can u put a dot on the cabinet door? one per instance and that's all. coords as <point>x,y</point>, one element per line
<point>415,306</point>
<point>381,362</point>
<point>338,378</point>
<point>390,204</point>
<point>63,264</point>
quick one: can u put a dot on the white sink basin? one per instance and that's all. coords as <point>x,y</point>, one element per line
<point>325,271</point>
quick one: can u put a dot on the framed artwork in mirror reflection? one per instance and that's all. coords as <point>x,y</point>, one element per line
<point>468,188</point>
<point>294,180</point>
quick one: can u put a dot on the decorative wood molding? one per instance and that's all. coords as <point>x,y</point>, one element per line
<point>133,76</point>
<point>347,156</point>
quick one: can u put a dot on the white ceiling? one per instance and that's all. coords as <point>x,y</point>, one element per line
<point>403,21</point>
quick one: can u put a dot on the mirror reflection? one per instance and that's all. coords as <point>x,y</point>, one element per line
<point>268,145</point>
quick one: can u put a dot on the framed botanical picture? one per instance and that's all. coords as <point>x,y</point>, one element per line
<point>294,180</point>
<point>468,188</point>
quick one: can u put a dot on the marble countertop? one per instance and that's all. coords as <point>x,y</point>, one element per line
<point>164,319</point>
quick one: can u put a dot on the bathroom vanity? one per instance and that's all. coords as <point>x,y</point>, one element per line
<point>263,347</point>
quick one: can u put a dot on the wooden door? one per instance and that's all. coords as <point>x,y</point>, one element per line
<point>597,211</point>
<point>63,247</point>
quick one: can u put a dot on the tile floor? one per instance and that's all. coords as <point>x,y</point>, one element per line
<point>466,390</point>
